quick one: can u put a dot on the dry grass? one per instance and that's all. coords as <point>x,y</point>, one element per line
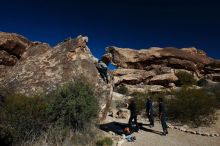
<point>64,137</point>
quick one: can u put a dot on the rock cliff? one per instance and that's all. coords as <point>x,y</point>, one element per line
<point>157,66</point>
<point>33,67</point>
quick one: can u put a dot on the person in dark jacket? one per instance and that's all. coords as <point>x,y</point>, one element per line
<point>149,111</point>
<point>133,111</point>
<point>162,116</point>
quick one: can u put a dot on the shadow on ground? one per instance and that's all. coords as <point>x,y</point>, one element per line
<point>115,127</point>
<point>118,127</point>
<point>150,130</point>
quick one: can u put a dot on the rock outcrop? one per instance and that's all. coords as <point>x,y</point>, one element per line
<point>157,66</point>
<point>12,46</point>
<point>34,67</point>
<point>132,76</point>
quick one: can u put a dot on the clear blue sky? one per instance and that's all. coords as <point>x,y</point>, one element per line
<point>134,24</point>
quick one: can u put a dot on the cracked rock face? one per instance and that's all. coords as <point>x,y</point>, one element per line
<point>132,76</point>
<point>12,47</point>
<point>186,58</point>
<point>35,67</point>
<point>157,66</point>
<point>14,44</point>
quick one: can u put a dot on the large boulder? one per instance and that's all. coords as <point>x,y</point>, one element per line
<point>131,76</point>
<point>157,66</point>
<point>213,77</point>
<point>12,47</point>
<point>129,58</point>
<point>145,88</point>
<point>7,59</point>
<point>186,58</point>
<point>14,44</point>
<point>41,69</point>
<point>163,79</point>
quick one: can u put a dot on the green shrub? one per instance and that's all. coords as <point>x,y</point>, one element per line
<point>122,90</point>
<point>105,142</point>
<point>192,106</point>
<point>217,96</point>
<point>214,90</point>
<point>140,100</point>
<point>5,136</point>
<point>120,104</point>
<point>74,105</point>
<point>22,117</point>
<point>57,136</point>
<point>185,78</point>
<point>202,82</point>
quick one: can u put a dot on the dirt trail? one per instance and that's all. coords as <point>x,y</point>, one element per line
<point>152,136</point>
<point>174,138</point>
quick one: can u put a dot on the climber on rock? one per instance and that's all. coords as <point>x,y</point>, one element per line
<point>103,70</point>
<point>103,66</point>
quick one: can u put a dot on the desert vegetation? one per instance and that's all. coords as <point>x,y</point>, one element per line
<point>185,78</point>
<point>70,110</point>
<point>194,106</point>
<point>188,105</point>
<point>122,90</point>
<point>107,141</point>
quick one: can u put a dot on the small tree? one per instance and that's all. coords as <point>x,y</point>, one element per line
<point>22,117</point>
<point>107,141</point>
<point>122,90</point>
<point>185,78</point>
<point>74,105</point>
<point>202,82</point>
<point>140,100</point>
<point>192,106</point>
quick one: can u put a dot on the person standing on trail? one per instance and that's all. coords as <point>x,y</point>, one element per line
<point>162,116</point>
<point>132,107</point>
<point>149,111</point>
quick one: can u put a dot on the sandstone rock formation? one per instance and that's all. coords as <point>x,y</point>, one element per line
<point>12,46</point>
<point>132,76</point>
<point>157,66</point>
<point>33,67</point>
<point>141,88</point>
<point>163,79</point>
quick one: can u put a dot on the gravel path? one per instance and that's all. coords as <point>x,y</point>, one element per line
<point>146,137</point>
<point>152,137</point>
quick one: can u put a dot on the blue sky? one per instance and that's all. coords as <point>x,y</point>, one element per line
<point>134,24</point>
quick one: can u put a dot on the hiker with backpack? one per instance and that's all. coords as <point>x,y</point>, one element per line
<point>149,111</point>
<point>162,116</point>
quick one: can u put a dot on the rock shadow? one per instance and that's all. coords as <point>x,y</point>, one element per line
<point>118,127</point>
<point>115,127</point>
<point>151,130</point>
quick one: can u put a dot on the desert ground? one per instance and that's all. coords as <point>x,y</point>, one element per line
<point>152,136</point>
